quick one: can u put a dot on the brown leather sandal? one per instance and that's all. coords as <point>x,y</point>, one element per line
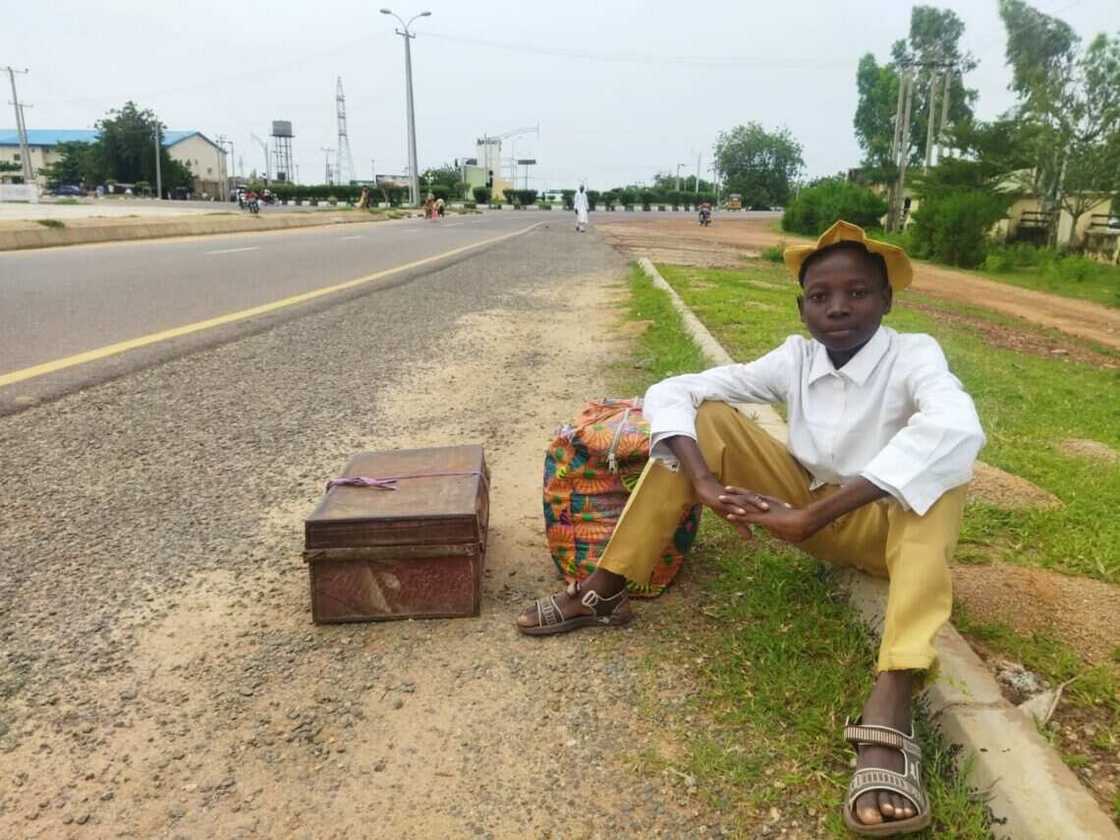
<point>605,612</point>
<point>907,784</point>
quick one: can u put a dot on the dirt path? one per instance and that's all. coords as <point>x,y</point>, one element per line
<point>161,677</point>
<point>682,240</point>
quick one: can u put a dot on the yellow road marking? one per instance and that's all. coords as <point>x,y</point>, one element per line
<point>232,317</point>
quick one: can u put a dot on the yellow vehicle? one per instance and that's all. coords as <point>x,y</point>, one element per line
<point>735,202</point>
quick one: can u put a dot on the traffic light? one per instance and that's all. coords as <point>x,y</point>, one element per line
<point>490,179</point>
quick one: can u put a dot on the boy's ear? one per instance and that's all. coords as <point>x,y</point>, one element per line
<point>888,296</point>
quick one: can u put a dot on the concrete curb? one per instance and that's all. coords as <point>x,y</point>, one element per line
<point>1032,794</point>
<point>127,230</point>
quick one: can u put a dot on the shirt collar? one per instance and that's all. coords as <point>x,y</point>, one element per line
<point>859,367</point>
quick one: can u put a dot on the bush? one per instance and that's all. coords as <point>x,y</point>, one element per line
<point>1072,268</point>
<point>481,195</point>
<point>523,198</point>
<point>818,207</point>
<point>773,253</point>
<point>952,226</point>
<point>647,197</point>
<point>593,199</point>
<point>568,197</point>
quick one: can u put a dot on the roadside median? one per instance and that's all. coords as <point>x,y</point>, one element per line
<point>25,234</point>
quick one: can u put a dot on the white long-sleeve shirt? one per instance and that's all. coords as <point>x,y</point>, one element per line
<point>894,414</point>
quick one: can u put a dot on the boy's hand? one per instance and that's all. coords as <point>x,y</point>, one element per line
<point>780,518</point>
<point>714,495</point>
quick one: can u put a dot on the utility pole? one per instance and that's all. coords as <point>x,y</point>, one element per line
<point>222,140</point>
<point>413,170</point>
<point>946,88</point>
<point>267,163</point>
<point>679,165</point>
<point>159,165</point>
<point>931,119</point>
<point>699,157</point>
<point>904,150</point>
<point>21,126</point>
<point>326,150</point>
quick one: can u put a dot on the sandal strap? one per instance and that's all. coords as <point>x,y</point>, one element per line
<point>602,607</point>
<point>548,612</point>
<point>860,734</point>
<point>875,778</point>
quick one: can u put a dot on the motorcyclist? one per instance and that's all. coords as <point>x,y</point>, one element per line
<point>706,213</point>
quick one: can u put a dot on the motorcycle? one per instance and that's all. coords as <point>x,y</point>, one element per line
<point>705,216</point>
<point>253,204</point>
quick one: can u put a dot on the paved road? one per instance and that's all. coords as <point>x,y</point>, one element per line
<point>56,303</point>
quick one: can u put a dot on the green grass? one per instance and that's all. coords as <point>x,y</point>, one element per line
<point>778,660</point>
<point>51,223</point>
<point>1096,282</point>
<point>67,201</point>
<point>1027,404</point>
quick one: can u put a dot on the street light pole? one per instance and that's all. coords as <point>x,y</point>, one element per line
<point>679,165</point>
<point>406,33</point>
<point>159,168</point>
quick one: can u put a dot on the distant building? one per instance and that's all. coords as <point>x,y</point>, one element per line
<point>484,169</point>
<point>194,149</point>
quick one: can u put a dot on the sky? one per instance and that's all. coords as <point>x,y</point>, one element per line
<point>620,89</point>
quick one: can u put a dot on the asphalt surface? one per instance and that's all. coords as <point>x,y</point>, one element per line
<point>159,676</point>
<point>55,303</point>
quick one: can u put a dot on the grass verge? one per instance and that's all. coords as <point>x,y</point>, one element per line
<point>1029,404</point>
<point>760,661</point>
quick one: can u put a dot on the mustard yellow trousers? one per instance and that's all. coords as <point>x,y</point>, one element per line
<point>880,538</point>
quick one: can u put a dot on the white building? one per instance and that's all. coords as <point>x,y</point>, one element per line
<point>205,158</point>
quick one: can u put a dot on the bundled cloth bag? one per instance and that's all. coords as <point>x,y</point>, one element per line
<point>590,469</point>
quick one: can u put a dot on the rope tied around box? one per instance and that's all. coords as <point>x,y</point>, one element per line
<point>389,482</point>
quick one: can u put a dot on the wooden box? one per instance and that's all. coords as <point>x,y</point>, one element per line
<point>417,551</point>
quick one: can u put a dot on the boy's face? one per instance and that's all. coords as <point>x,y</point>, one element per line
<point>843,300</point>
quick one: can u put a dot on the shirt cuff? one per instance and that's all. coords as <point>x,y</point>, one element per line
<point>887,488</point>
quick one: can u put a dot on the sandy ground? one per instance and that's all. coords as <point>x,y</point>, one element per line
<point>682,241</point>
<point>160,674</point>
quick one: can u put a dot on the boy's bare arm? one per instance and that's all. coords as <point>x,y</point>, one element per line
<point>711,493</point>
<point>798,524</point>
<point>743,507</point>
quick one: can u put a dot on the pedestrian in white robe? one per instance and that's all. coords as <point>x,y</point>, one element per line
<point>579,204</point>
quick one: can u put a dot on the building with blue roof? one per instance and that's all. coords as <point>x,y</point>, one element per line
<point>205,158</point>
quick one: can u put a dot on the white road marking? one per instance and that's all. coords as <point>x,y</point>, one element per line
<point>235,250</point>
<point>453,224</point>
<point>358,236</point>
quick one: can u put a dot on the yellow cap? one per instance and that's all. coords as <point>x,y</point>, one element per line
<point>899,270</point>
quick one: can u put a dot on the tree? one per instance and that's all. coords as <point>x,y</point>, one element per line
<point>758,164</point>
<point>78,163</point>
<point>874,120</point>
<point>822,203</point>
<point>1074,102</point>
<point>931,47</point>
<point>960,202</point>
<point>446,176</point>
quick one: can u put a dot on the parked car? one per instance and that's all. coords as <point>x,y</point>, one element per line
<point>68,190</point>
<point>180,194</point>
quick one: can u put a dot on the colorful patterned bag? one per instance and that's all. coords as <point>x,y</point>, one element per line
<point>590,470</point>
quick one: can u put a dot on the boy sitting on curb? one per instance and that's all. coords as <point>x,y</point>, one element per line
<point>882,438</point>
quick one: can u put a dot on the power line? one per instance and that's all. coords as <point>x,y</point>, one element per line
<point>635,57</point>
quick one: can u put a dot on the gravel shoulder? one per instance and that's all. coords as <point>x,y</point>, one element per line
<point>160,676</point>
